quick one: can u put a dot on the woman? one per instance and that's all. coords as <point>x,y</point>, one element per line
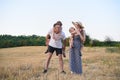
<point>75,51</point>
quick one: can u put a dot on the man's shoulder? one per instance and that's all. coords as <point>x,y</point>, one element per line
<point>62,33</point>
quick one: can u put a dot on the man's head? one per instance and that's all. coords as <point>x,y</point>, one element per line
<point>57,28</point>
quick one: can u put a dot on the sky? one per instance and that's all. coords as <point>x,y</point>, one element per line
<point>101,18</point>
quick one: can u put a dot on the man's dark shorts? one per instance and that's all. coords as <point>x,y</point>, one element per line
<point>52,49</point>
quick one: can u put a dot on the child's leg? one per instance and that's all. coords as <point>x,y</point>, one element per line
<point>47,46</point>
<point>46,51</point>
<point>71,44</point>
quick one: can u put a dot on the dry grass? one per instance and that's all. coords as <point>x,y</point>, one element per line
<point>26,63</point>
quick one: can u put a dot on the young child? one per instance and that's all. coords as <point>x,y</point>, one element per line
<point>72,32</point>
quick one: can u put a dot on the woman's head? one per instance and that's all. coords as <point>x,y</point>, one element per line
<point>79,24</point>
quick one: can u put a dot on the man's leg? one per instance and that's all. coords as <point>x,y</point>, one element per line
<point>61,63</point>
<point>47,62</point>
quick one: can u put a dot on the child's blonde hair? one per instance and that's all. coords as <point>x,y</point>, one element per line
<point>71,28</point>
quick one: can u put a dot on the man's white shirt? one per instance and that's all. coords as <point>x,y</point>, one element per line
<point>56,43</point>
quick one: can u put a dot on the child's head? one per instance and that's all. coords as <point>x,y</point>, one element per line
<point>71,29</point>
<point>59,22</point>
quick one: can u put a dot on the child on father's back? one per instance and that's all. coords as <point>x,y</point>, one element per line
<point>47,42</point>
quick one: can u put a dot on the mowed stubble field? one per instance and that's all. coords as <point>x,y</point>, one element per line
<point>27,63</point>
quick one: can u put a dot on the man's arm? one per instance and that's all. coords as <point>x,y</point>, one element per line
<point>64,44</point>
<point>64,47</point>
<point>47,39</point>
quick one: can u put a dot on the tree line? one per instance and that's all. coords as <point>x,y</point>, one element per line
<point>15,41</point>
<point>35,40</point>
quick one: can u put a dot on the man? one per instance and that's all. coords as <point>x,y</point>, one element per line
<point>55,44</point>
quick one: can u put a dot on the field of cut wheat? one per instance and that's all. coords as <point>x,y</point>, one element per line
<point>27,63</point>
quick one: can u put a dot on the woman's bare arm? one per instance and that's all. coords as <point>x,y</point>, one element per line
<point>81,37</point>
<point>84,36</point>
<point>74,24</point>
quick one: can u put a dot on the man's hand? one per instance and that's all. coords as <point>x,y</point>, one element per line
<point>63,48</point>
<point>63,52</point>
